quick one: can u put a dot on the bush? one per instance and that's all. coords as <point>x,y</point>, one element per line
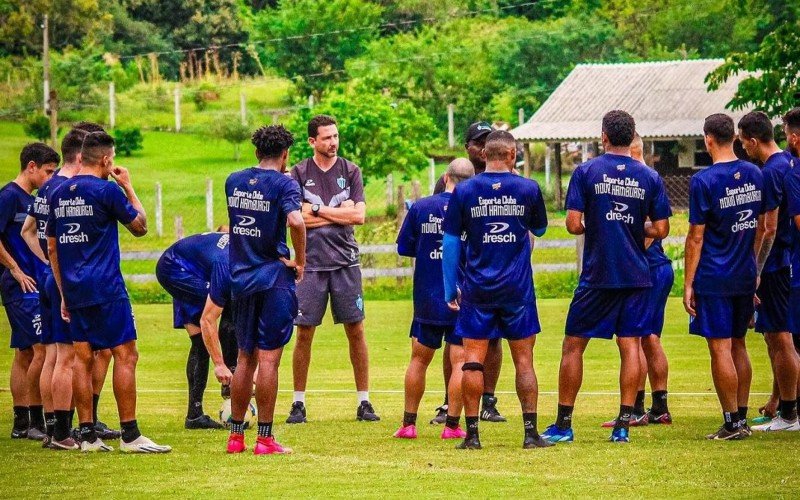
<point>38,127</point>
<point>231,129</point>
<point>128,140</point>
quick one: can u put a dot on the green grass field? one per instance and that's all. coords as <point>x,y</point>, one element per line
<point>337,457</point>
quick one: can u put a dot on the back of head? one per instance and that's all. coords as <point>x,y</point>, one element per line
<point>319,121</point>
<point>498,145</point>
<point>271,141</point>
<point>71,144</point>
<point>719,126</point>
<point>96,145</point>
<point>88,127</point>
<point>38,153</point>
<point>459,170</point>
<point>792,120</point>
<point>756,125</point>
<point>619,127</point>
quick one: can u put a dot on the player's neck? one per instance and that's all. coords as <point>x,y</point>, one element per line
<point>25,183</point>
<point>618,150</point>
<point>93,170</point>
<point>69,169</point>
<point>768,151</point>
<point>271,165</point>
<point>497,168</point>
<point>722,155</point>
<point>325,163</point>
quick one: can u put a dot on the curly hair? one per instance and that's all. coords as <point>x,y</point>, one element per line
<point>271,141</point>
<point>619,127</point>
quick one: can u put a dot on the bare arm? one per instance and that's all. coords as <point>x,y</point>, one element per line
<point>765,237</point>
<point>210,332</point>
<point>657,230</point>
<point>694,245</point>
<point>575,222</point>
<point>29,236</point>
<point>138,226</point>
<point>297,229</point>
<point>27,283</point>
<point>345,215</point>
<point>56,267</point>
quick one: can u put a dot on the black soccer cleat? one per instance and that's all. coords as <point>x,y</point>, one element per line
<point>366,412</point>
<point>441,415</point>
<point>35,434</point>
<point>469,443</point>
<point>104,432</point>
<point>725,435</point>
<point>297,415</point>
<point>202,422</point>
<point>19,433</point>
<point>490,413</point>
<point>535,441</point>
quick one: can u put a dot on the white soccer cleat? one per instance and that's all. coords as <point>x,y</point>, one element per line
<point>778,424</point>
<point>97,446</point>
<point>143,445</point>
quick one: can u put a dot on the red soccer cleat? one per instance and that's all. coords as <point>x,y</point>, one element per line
<point>236,443</point>
<point>268,446</point>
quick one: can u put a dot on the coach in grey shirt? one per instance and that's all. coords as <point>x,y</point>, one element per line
<point>333,202</point>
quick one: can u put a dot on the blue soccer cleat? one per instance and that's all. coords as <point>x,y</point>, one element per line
<point>620,436</point>
<point>556,435</point>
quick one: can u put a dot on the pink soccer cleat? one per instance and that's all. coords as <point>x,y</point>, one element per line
<point>268,446</point>
<point>236,443</point>
<point>406,432</point>
<point>457,433</point>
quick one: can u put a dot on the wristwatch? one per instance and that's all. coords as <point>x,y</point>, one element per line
<point>315,209</point>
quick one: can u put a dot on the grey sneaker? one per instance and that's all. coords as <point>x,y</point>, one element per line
<point>297,415</point>
<point>366,412</point>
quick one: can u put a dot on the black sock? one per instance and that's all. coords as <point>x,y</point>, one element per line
<point>62,427</point>
<point>743,414</point>
<point>95,402</point>
<point>409,418</point>
<point>49,422</point>
<point>452,422</point>
<point>71,417</point>
<point>88,433</point>
<point>197,376</point>
<point>445,400</point>
<point>237,426</point>
<point>22,417</point>
<point>472,426</point>
<point>638,406</point>
<point>37,416</point>
<point>486,398</point>
<point>564,418</point>
<point>529,421</point>
<point>265,429</point>
<point>130,431</point>
<point>731,420</point>
<point>659,403</point>
<point>624,418</point>
<point>788,409</point>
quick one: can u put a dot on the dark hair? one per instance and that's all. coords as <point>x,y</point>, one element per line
<point>619,127</point>
<point>272,141</point>
<point>319,121</point>
<point>792,118</point>
<point>757,125</point>
<point>71,144</point>
<point>88,127</point>
<point>497,145</point>
<point>720,127</point>
<point>95,145</point>
<point>38,153</point>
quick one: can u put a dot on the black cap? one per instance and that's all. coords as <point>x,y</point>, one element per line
<point>478,130</point>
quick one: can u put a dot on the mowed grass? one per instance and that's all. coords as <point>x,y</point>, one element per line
<point>337,457</point>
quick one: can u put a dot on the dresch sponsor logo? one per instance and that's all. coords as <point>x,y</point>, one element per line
<point>436,253</point>
<point>243,228</point>
<point>617,213</point>
<point>494,235</point>
<point>70,236</point>
<point>743,224</point>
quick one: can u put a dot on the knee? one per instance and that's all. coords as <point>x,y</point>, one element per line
<point>103,355</point>
<point>472,367</point>
<point>127,356</point>
<point>571,348</point>
<point>304,337</point>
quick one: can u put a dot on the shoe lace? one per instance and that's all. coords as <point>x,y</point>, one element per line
<point>366,407</point>
<point>297,407</point>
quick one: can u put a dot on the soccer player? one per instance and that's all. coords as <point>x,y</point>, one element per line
<point>195,271</point>
<point>616,195</point>
<point>773,264</point>
<point>725,210</point>
<point>652,359</point>
<point>83,246</point>
<point>420,237</point>
<point>261,201</point>
<point>20,291</point>
<point>497,210</point>
<point>333,202</point>
<point>475,141</point>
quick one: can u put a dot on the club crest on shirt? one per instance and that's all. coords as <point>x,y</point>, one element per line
<point>737,175</point>
<point>253,182</point>
<point>341,182</point>
<point>496,186</point>
<point>72,187</point>
<point>621,167</point>
<point>310,183</point>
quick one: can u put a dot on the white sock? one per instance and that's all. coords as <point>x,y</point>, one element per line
<point>362,396</point>
<point>300,396</point>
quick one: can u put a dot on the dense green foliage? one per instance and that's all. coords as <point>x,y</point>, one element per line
<point>128,140</point>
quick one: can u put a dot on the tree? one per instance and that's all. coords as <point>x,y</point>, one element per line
<point>230,129</point>
<point>38,127</point>
<point>128,140</point>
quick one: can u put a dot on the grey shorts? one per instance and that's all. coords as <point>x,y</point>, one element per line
<point>344,287</point>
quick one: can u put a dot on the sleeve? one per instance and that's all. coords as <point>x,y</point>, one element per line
<point>538,219</point>
<point>440,186</point>
<point>773,189</point>
<point>659,206</point>
<point>792,192</point>
<point>118,205</point>
<point>357,186</point>
<point>7,210</point>
<point>575,196</point>
<point>220,290</point>
<point>291,200</point>
<point>699,204</point>
<point>407,237</point>
<point>451,250</point>
<point>453,223</point>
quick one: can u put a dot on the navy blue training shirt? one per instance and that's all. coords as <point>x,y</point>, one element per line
<point>206,255</point>
<point>84,212</point>
<point>496,210</point>
<point>40,209</point>
<point>792,191</point>
<point>727,198</point>
<point>616,194</point>
<point>775,169</point>
<point>259,201</point>
<point>14,206</point>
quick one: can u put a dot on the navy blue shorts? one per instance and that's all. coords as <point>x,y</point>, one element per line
<point>601,313</point>
<point>722,317</point>
<point>662,277</point>
<point>489,323</point>
<point>180,280</point>
<point>432,335</point>
<point>25,318</point>
<point>104,326</point>
<point>793,316</point>
<point>186,313</point>
<point>772,315</point>
<point>60,330</point>
<point>264,319</point>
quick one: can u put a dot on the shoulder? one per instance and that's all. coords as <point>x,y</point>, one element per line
<point>350,166</point>
<point>300,168</point>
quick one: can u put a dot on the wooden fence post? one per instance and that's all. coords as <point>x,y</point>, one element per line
<point>431,175</point>
<point>159,212</point>
<point>178,227</point>
<point>451,131</point>
<point>177,93</point>
<point>112,106</point>
<point>210,204</point>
